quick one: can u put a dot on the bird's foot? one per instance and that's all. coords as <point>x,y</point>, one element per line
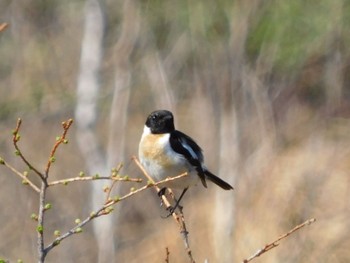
<point>171,210</point>
<point>160,194</point>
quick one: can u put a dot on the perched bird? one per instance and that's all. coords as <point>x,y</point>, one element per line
<point>165,152</point>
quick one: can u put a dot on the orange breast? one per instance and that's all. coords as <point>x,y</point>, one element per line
<point>155,147</point>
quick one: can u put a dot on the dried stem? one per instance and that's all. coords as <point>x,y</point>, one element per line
<point>275,242</point>
<point>179,218</point>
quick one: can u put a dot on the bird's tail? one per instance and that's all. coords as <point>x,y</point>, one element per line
<point>218,181</point>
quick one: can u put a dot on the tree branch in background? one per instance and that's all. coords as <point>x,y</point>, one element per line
<point>276,242</point>
<point>3,26</point>
<point>179,218</point>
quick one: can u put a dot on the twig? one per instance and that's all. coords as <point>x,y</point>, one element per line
<point>24,178</point>
<point>115,173</point>
<point>62,139</point>
<point>16,137</point>
<point>179,218</point>
<point>93,178</point>
<point>167,253</point>
<point>276,242</point>
<point>3,26</point>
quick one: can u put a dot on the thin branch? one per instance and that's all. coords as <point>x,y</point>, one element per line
<point>179,218</point>
<point>275,243</point>
<point>15,140</point>
<point>66,125</point>
<point>109,191</point>
<point>24,178</point>
<point>3,26</point>
<point>93,178</point>
<point>167,253</point>
<point>40,224</point>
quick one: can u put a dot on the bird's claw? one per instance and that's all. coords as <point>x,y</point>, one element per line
<point>171,210</point>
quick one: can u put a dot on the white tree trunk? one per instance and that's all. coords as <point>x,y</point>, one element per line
<point>85,115</point>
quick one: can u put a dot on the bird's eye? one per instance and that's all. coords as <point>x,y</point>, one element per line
<point>154,117</point>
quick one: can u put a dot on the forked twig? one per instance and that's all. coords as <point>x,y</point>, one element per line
<point>275,243</point>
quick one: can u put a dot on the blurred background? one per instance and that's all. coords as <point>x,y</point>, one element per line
<point>263,86</point>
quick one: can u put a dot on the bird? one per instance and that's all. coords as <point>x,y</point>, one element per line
<point>165,152</point>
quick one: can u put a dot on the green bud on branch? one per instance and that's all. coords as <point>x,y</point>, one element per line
<point>78,230</point>
<point>93,214</point>
<point>25,182</point>
<point>34,216</point>
<point>40,229</point>
<point>47,206</point>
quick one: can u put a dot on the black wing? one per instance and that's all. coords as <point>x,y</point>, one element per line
<point>186,146</point>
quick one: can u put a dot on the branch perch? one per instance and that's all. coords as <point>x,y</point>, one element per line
<point>179,218</point>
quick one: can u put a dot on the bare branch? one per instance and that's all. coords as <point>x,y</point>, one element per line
<point>275,243</point>
<point>167,253</point>
<point>24,178</point>
<point>93,178</point>
<point>16,137</point>
<point>179,218</point>
<point>3,26</point>
<point>66,125</point>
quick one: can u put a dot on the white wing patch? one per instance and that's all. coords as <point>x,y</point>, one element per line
<point>189,149</point>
